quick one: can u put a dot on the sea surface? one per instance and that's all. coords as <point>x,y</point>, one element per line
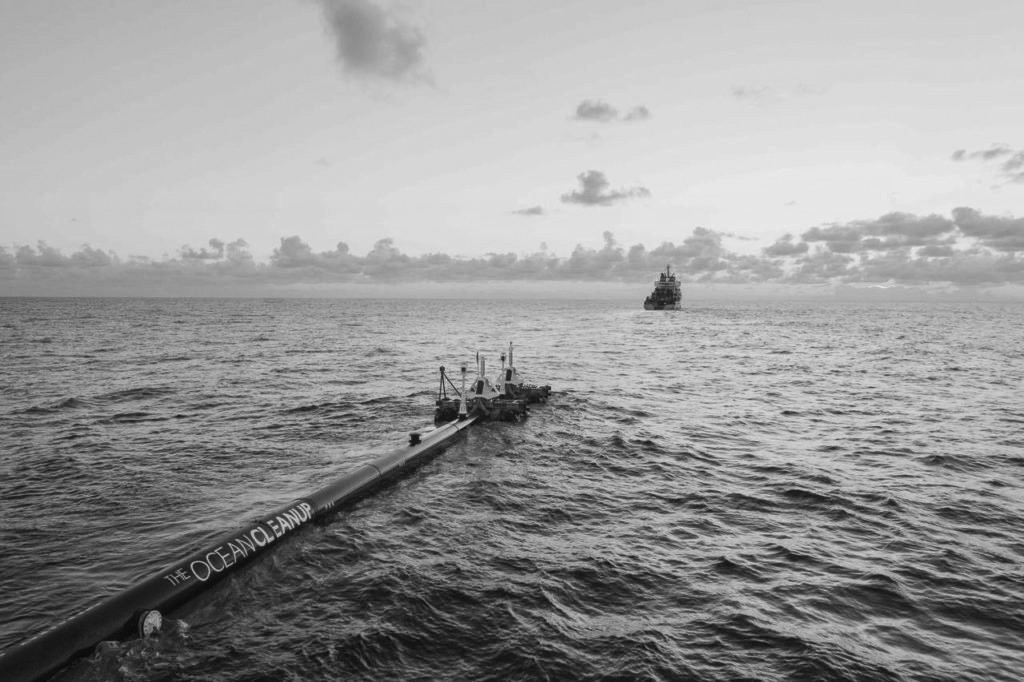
<point>814,490</point>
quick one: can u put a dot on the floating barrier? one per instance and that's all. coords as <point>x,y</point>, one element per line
<point>508,399</point>
<point>137,610</point>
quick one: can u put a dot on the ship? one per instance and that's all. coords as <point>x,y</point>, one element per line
<point>667,293</point>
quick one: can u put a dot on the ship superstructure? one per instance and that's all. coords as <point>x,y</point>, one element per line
<point>667,294</point>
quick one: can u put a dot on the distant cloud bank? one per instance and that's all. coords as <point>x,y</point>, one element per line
<point>965,249</point>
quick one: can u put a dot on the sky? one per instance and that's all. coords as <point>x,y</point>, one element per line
<point>317,145</point>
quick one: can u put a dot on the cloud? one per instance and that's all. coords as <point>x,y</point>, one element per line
<point>531,211</point>
<point>964,268</point>
<point>596,110</point>
<point>750,92</point>
<point>784,246</point>
<point>970,248</point>
<point>993,152</point>
<point>238,254</point>
<point>295,254</point>
<point>602,112</point>
<point>45,256</point>
<point>763,93</point>
<point>739,237</point>
<point>640,113</point>
<point>702,257</point>
<point>936,251</point>
<point>594,191</point>
<point>372,41</point>
<point>216,252</point>
<point>890,231</point>
<point>994,232</point>
<point>822,266</point>
<point>1013,167</point>
<point>1010,162</point>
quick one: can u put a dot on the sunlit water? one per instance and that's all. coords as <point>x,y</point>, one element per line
<point>771,491</point>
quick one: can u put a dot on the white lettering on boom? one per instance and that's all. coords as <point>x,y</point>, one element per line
<point>223,557</point>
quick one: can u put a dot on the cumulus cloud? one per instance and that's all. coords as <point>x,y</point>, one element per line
<point>700,255</point>
<point>994,232</point>
<point>372,41</point>
<point>46,256</point>
<point>1013,167</point>
<point>821,266</point>
<point>785,246</point>
<point>891,231</point>
<point>295,254</point>
<point>93,258</point>
<point>216,251</point>
<point>640,113</point>
<point>1009,163</point>
<point>969,248</point>
<point>238,253</point>
<point>596,110</point>
<point>703,257</point>
<point>594,191</point>
<point>602,112</point>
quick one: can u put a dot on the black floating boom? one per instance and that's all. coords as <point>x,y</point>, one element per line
<point>119,616</point>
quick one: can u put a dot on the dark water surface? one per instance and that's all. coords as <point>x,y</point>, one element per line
<point>737,490</point>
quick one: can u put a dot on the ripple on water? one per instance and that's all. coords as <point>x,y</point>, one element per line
<point>741,491</point>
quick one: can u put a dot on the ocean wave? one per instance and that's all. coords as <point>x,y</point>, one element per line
<point>735,492</point>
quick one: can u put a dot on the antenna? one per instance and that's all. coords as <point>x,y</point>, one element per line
<point>463,411</point>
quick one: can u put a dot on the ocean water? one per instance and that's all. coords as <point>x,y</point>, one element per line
<point>769,491</point>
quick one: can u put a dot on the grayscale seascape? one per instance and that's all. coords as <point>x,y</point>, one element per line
<point>739,490</point>
<point>768,257</point>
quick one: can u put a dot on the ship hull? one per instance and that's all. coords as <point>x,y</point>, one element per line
<point>666,295</point>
